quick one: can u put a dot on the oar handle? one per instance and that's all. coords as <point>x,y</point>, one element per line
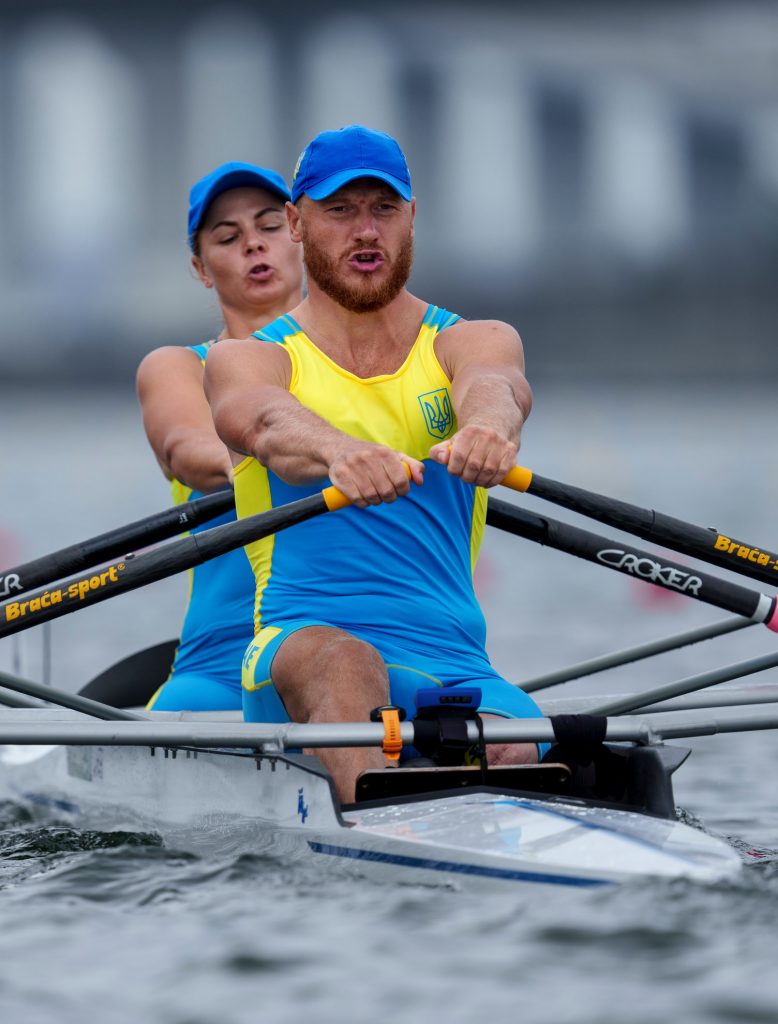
<point>335,499</point>
<point>518,479</point>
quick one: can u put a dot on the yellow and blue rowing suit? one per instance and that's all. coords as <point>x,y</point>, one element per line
<point>400,575</point>
<point>218,624</point>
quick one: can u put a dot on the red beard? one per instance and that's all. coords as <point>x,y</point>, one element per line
<point>367,296</point>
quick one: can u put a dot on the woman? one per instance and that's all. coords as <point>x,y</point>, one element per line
<point>241,248</point>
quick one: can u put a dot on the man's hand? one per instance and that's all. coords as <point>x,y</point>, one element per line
<point>369,474</point>
<point>479,455</point>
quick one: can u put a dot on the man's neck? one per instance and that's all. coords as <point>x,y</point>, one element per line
<point>366,344</point>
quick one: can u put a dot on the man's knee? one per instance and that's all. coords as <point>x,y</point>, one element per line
<point>327,654</point>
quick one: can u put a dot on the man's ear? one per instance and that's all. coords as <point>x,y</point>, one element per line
<point>199,269</point>
<point>293,218</point>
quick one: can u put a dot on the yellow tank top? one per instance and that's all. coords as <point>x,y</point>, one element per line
<point>403,569</point>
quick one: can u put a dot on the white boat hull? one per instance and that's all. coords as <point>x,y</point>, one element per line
<point>208,801</point>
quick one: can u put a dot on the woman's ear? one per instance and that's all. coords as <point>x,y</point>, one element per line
<point>202,273</point>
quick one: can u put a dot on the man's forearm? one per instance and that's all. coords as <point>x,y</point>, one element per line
<point>282,434</point>
<point>492,401</point>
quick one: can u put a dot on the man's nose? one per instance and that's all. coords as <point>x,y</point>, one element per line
<point>365,228</point>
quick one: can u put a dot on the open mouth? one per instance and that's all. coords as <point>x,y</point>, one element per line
<point>366,260</point>
<point>260,272</point>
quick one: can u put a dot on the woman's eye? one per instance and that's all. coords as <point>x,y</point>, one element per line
<point>226,240</point>
<point>272,227</point>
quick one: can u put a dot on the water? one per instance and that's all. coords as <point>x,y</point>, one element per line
<point>100,925</point>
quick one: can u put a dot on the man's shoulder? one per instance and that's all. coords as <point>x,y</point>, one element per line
<point>247,358</point>
<point>485,330</point>
<point>278,331</point>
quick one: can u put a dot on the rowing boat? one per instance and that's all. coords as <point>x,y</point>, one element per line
<point>599,812</point>
<point>524,825</point>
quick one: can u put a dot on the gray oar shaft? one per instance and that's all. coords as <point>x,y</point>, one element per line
<point>271,739</point>
<point>66,700</point>
<point>13,700</point>
<point>688,685</point>
<point>719,698</point>
<point>265,737</point>
<point>637,653</point>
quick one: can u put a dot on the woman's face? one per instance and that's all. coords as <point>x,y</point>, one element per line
<point>246,254</point>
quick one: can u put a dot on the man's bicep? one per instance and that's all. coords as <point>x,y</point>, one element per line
<point>234,365</point>
<point>485,348</point>
<point>243,379</point>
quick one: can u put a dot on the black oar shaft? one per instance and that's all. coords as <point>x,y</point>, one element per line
<point>707,544</point>
<point>138,571</point>
<point>114,543</point>
<point>631,561</point>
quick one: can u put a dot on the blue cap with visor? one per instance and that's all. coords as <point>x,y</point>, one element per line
<point>231,175</point>
<point>335,158</point>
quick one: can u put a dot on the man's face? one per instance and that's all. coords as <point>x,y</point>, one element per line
<point>357,243</point>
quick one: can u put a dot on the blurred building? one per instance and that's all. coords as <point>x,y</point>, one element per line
<point>603,176</point>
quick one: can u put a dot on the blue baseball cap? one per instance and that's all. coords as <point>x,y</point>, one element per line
<point>333,159</point>
<point>231,175</point>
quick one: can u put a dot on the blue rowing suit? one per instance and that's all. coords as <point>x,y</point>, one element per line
<point>400,575</point>
<point>206,671</point>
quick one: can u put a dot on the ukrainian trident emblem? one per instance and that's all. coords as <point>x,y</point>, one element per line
<point>436,406</point>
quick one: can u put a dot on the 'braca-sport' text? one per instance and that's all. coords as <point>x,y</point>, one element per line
<point>75,591</point>
<point>734,547</point>
<point>647,569</point>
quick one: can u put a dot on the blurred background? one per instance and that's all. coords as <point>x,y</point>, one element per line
<point>602,175</point>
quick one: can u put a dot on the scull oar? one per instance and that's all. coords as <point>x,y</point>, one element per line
<point>140,570</point>
<point>707,544</point>
<point>634,562</point>
<point>142,533</point>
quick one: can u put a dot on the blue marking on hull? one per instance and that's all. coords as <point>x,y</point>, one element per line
<point>451,867</point>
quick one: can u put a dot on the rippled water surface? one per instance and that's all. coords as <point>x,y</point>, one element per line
<point>114,927</point>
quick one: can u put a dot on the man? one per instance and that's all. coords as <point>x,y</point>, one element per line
<point>390,398</point>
